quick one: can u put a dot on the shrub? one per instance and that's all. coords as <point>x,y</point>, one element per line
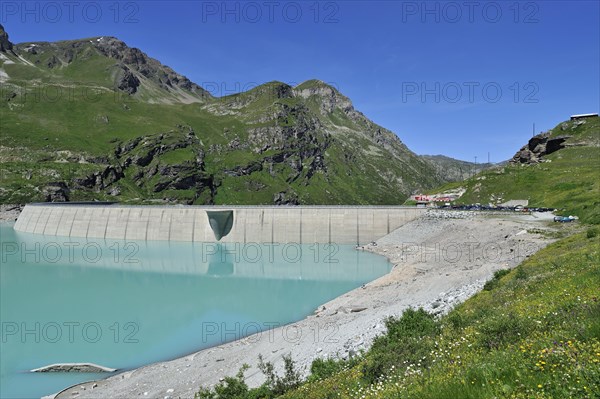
<point>323,368</point>
<point>592,232</point>
<point>408,341</point>
<point>279,385</point>
<point>229,388</point>
<point>413,323</point>
<point>456,320</point>
<point>236,387</point>
<point>494,281</point>
<point>520,274</point>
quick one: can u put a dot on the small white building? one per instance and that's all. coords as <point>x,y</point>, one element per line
<point>583,116</point>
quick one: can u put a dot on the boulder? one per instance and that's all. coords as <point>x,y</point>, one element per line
<point>538,147</point>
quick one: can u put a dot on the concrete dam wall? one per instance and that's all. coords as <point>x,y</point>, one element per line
<point>261,224</point>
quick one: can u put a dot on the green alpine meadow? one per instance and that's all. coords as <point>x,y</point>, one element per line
<point>94,119</point>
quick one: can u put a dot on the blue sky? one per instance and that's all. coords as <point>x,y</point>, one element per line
<point>457,78</point>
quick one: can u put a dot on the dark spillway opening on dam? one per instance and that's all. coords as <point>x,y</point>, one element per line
<point>220,222</point>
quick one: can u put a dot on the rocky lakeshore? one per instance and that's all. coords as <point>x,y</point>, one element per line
<point>9,213</point>
<point>438,261</point>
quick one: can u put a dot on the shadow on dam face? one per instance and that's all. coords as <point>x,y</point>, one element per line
<point>220,222</point>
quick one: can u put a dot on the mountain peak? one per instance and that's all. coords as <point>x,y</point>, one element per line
<point>132,70</point>
<point>139,63</point>
<point>316,84</point>
<point>327,95</point>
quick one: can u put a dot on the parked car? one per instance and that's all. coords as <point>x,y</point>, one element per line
<point>564,219</point>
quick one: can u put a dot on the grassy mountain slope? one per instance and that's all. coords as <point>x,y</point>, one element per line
<point>568,178</point>
<point>533,332</point>
<point>452,170</point>
<point>93,119</point>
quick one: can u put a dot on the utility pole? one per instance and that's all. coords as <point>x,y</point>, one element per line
<point>488,157</point>
<point>533,131</point>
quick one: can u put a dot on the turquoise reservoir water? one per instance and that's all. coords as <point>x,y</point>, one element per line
<point>125,304</point>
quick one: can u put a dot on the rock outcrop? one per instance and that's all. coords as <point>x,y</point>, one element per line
<point>56,192</point>
<point>127,81</point>
<point>286,198</point>
<point>141,158</point>
<point>100,180</point>
<point>537,147</point>
<point>138,62</point>
<point>5,44</point>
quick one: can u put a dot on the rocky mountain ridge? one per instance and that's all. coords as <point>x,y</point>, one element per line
<point>131,70</point>
<point>453,170</point>
<point>153,135</point>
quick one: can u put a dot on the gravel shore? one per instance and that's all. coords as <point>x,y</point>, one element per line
<point>438,261</point>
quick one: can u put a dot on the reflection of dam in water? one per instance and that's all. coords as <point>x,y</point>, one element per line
<point>260,224</point>
<point>288,261</point>
<point>152,301</point>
